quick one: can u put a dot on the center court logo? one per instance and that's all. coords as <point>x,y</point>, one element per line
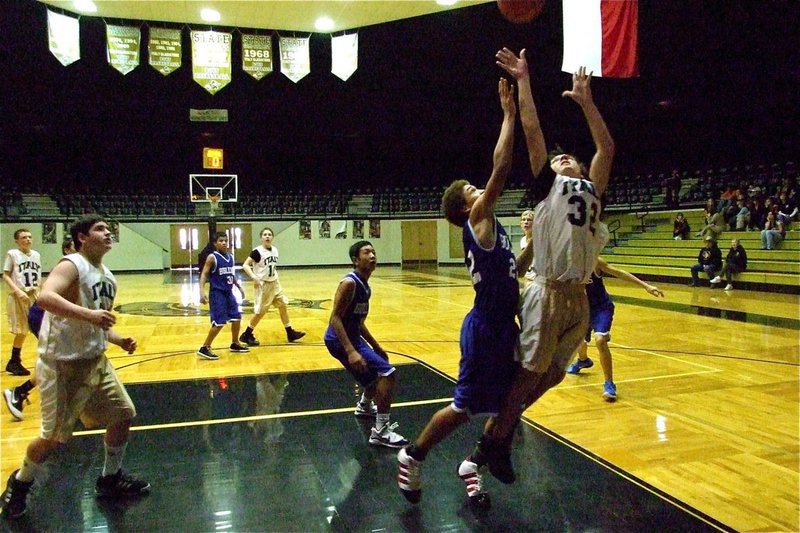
<point>176,309</point>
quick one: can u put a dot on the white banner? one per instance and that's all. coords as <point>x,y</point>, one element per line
<point>64,35</point>
<point>122,47</point>
<point>295,59</point>
<point>344,55</point>
<point>211,59</point>
<point>164,50</point>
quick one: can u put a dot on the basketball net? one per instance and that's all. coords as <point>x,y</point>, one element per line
<point>213,204</point>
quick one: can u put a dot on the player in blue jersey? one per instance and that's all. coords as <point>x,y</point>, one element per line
<point>601,314</point>
<point>489,331</point>
<point>349,340</point>
<point>219,270</point>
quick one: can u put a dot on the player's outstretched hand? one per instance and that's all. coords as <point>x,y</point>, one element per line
<point>508,61</point>
<point>581,91</point>
<point>655,291</point>
<point>507,101</point>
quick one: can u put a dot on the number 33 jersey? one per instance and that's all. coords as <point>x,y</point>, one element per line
<point>568,235</point>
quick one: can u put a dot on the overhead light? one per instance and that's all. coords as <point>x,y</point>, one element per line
<point>446,2</point>
<point>324,24</point>
<point>87,6</point>
<point>210,15</point>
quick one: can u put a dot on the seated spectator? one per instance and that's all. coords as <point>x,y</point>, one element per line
<point>735,262</point>
<point>715,224</point>
<point>758,214</point>
<point>740,218</point>
<point>788,208</point>
<point>709,260</point>
<point>680,228</point>
<point>726,194</point>
<point>773,233</point>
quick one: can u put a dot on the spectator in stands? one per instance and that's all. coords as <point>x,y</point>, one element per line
<point>672,189</point>
<point>735,262</point>
<point>758,214</point>
<point>740,218</point>
<point>680,228</point>
<point>773,233</point>
<point>709,260</point>
<point>726,196</point>
<point>788,208</point>
<point>714,221</point>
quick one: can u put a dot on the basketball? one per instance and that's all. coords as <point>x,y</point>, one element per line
<point>520,11</point>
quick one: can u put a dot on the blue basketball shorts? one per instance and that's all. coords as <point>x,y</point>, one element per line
<point>600,319</point>
<point>377,366</point>
<point>487,365</point>
<point>223,307</point>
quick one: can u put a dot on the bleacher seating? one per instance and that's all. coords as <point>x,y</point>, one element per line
<point>654,254</point>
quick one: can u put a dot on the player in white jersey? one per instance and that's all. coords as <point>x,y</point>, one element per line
<point>22,272</point>
<point>75,378</point>
<point>567,240</point>
<point>526,223</point>
<point>261,266</point>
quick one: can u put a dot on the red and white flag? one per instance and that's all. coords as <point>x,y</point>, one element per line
<point>602,35</point>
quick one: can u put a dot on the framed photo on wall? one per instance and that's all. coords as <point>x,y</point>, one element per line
<point>374,229</point>
<point>49,233</point>
<point>358,229</point>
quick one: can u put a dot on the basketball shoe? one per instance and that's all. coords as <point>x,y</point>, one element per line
<point>249,339</point>
<point>15,497</point>
<point>366,410</point>
<point>578,365</point>
<point>473,479</point>
<point>609,391</point>
<point>385,436</point>
<point>238,348</point>
<point>15,368</point>
<point>120,485</point>
<point>206,353</point>
<point>14,401</point>
<point>294,335</point>
<point>409,476</point>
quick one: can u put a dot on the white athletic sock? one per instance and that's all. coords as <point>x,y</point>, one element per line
<point>114,455</point>
<point>29,470</point>
<point>364,400</point>
<point>381,419</point>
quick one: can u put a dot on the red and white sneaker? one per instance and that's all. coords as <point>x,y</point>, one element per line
<point>473,479</point>
<point>409,476</point>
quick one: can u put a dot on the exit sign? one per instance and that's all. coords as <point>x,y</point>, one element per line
<point>212,158</point>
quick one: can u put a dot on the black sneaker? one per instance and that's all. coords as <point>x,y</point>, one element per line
<point>249,339</point>
<point>14,401</point>
<point>206,353</point>
<point>238,348</point>
<point>15,368</point>
<point>120,485</point>
<point>498,457</point>
<point>15,497</point>
<point>294,335</point>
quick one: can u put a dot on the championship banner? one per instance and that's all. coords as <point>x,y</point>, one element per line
<point>164,50</point>
<point>122,47</point>
<point>295,59</point>
<point>257,55</point>
<point>344,55</point>
<point>64,36</point>
<point>211,59</point>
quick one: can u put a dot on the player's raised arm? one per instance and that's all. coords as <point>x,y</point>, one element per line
<point>581,93</point>
<point>534,138</point>
<point>483,209</point>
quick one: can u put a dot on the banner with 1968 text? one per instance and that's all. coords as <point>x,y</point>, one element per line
<point>257,55</point>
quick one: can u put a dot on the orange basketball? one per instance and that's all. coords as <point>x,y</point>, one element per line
<point>520,11</point>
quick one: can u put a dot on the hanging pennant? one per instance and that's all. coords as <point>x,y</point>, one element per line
<point>295,60</point>
<point>211,59</point>
<point>122,47</point>
<point>64,36</point>
<point>344,55</point>
<point>257,55</point>
<point>164,50</point>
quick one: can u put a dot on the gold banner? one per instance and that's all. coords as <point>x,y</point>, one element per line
<point>122,47</point>
<point>211,59</point>
<point>295,60</point>
<point>164,50</point>
<point>344,55</point>
<point>64,36</point>
<point>257,55</point>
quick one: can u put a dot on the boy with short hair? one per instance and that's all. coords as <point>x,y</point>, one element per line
<point>219,270</point>
<point>22,272</point>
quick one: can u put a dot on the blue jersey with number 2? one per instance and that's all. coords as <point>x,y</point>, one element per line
<point>493,273</point>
